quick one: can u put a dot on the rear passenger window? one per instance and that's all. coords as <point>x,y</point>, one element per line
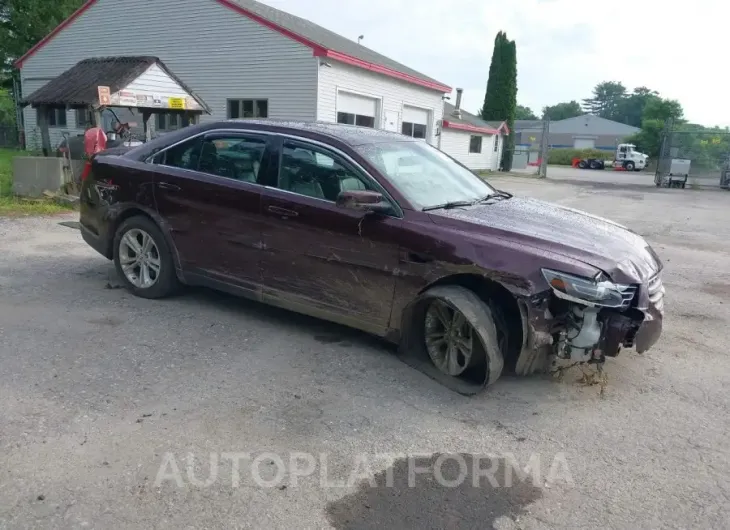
<point>182,155</point>
<point>235,157</point>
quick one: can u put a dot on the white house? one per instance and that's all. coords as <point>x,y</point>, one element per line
<point>472,141</point>
<point>243,59</point>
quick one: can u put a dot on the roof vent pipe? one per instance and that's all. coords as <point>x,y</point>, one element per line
<point>457,107</point>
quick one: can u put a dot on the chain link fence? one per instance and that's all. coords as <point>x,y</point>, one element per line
<point>531,147</point>
<point>701,156</point>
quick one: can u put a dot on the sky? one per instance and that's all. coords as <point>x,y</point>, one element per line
<point>564,47</point>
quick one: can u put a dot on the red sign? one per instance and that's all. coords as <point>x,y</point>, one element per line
<point>105,96</point>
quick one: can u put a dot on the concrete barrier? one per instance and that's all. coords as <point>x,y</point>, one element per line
<point>32,175</point>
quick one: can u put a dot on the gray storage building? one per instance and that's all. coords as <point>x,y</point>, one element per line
<point>582,132</point>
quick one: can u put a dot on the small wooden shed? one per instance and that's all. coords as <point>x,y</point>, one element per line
<point>135,82</point>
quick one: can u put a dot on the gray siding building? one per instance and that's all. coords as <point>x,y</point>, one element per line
<point>244,59</point>
<point>582,132</point>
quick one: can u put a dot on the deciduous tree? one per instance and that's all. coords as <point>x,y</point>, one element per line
<point>562,111</point>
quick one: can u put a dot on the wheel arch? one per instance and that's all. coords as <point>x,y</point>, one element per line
<point>134,210</point>
<point>500,300</point>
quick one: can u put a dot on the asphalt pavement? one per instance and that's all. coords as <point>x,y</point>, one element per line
<point>206,411</point>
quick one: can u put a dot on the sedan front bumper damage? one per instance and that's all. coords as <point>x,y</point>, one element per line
<point>547,330</point>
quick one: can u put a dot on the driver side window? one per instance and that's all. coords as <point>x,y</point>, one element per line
<point>310,171</point>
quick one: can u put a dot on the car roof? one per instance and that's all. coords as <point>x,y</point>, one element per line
<point>335,133</point>
<point>351,135</point>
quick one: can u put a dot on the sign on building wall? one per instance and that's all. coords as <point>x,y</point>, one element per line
<point>131,98</point>
<point>104,93</point>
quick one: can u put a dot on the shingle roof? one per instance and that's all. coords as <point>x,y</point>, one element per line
<point>469,120</point>
<point>77,86</point>
<point>590,124</point>
<point>585,124</point>
<point>326,38</point>
<point>527,124</point>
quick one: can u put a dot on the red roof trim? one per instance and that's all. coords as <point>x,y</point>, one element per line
<point>469,128</point>
<point>377,68</point>
<point>76,14</point>
<point>317,50</point>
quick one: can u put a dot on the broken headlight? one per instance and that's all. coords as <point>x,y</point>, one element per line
<point>598,291</point>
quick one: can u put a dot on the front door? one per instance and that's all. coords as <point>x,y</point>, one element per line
<point>321,259</point>
<point>207,190</point>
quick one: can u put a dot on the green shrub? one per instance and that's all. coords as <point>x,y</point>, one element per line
<point>564,157</point>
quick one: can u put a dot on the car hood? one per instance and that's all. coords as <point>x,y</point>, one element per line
<point>599,242</point>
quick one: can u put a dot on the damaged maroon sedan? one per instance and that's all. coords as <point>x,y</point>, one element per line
<point>376,231</point>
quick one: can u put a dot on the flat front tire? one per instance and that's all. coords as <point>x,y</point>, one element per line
<point>460,334</point>
<point>143,260</point>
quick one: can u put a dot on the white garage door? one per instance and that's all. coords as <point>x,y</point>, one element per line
<point>415,122</point>
<point>584,143</point>
<point>355,109</point>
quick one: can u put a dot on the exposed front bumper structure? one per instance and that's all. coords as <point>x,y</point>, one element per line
<point>557,329</point>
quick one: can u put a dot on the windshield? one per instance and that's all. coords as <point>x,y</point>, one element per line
<point>423,174</point>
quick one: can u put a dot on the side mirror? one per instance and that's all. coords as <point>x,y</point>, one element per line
<point>363,200</point>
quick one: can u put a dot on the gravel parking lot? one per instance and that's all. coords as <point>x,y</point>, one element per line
<point>104,395</point>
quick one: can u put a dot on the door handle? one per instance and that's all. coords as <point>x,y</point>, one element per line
<point>284,212</point>
<point>167,186</point>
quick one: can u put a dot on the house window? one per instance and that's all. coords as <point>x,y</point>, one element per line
<point>83,118</point>
<point>475,144</point>
<point>57,117</point>
<point>496,144</point>
<point>168,121</point>
<point>355,119</point>
<point>248,108</point>
<point>416,130</point>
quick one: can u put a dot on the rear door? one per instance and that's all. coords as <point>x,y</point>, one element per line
<point>319,258</point>
<point>208,191</point>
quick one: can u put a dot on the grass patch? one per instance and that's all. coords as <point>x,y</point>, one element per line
<point>14,206</point>
<point>10,205</point>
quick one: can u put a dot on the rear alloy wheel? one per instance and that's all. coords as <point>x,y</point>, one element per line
<point>142,259</point>
<point>449,339</point>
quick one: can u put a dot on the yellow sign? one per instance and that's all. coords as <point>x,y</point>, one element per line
<point>176,103</point>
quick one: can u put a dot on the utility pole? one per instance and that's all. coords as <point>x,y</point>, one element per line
<point>544,145</point>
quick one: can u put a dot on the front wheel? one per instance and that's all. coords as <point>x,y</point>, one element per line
<point>630,166</point>
<point>461,336</point>
<point>143,259</point>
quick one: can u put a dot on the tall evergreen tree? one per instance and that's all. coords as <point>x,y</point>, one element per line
<point>510,74</point>
<point>500,101</point>
<point>494,69</point>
